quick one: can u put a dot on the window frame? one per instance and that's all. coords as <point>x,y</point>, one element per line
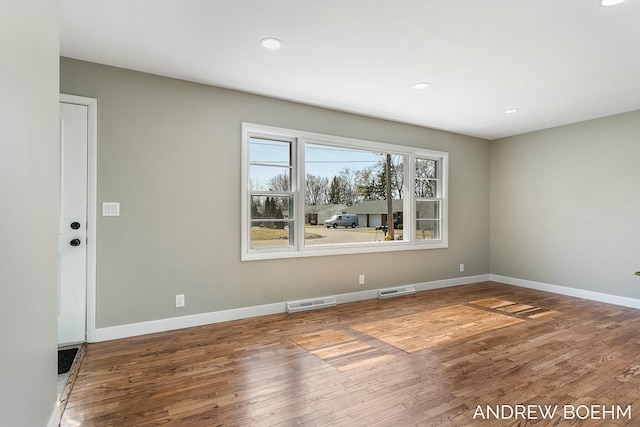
<point>248,193</point>
<point>297,247</point>
<point>440,196</point>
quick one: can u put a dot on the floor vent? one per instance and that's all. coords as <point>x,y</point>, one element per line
<point>310,304</point>
<point>396,292</point>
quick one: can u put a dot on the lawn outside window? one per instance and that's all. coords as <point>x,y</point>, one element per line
<point>309,194</point>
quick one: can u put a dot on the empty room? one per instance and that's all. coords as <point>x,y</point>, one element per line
<point>268,213</point>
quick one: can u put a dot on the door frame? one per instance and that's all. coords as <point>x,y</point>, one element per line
<point>92,204</point>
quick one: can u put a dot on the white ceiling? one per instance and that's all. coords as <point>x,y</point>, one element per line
<point>557,61</point>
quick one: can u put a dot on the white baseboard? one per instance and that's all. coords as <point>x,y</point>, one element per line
<point>54,420</point>
<point>564,290</point>
<point>162,325</point>
<point>447,283</point>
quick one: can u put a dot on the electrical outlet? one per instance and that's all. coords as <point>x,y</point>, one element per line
<point>180,300</point>
<point>361,279</point>
<point>461,268</point>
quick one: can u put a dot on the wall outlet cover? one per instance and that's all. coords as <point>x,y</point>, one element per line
<point>180,300</point>
<point>110,209</point>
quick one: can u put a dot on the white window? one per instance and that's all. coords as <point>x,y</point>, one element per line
<point>428,194</point>
<point>308,194</point>
<point>271,193</point>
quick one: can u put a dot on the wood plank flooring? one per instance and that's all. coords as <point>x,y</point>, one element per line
<point>289,369</point>
<point>341,350</point>
<point>415,332</point>
<point>530,311</point>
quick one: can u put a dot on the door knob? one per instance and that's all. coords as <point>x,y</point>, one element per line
<point>75,225</point>
<point>75,242</point>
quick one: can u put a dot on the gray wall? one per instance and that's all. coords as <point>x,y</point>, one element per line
<point>29,200</point>
<point>169,152</point>
<point>565,205</point>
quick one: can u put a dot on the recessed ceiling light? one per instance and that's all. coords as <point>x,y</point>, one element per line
<point>271,43</point>
<point>421,85</point>
<point>611,2</point>
<point>511,111</point>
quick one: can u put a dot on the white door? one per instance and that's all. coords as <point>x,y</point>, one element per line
<point>72,229</point>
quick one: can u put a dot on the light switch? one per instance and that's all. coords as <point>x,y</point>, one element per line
<point>110,209</point>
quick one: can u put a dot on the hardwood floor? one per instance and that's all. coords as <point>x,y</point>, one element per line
<point>319,368</point>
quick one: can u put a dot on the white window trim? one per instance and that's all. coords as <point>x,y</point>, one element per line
<point>299,249</point>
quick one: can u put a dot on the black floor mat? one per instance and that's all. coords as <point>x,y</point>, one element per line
<point>65,359</point>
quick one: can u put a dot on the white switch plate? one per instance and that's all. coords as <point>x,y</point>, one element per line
<point>461,268</point>
<point>110,209</point>
<point>361,279</point>
<point>180,300</point>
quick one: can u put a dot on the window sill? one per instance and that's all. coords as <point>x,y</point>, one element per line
<point>321,250</point>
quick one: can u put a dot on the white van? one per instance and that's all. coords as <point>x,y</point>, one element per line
<point>343,220</point>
